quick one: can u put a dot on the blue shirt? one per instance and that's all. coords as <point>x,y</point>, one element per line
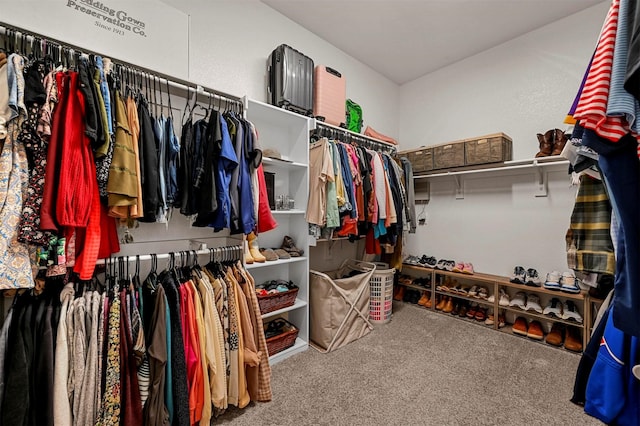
<point>227,162</point>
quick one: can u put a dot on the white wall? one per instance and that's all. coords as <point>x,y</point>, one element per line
<point>521,88</point>
<point>230,41</point>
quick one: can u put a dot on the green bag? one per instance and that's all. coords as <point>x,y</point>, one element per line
<point>354,116</point>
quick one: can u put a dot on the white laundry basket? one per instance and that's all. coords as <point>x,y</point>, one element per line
<point>381,287</point>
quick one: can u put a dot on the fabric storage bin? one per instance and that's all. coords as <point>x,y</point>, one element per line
<point>448,155</point>
<point>494,148</point>
<point>421,159</point>
<point>339,305</point>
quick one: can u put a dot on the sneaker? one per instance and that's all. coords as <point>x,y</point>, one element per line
<point>468,269</point>
<point>532,279</point>
<point>520,326</point>
<point>473,291</point>
<point>458,267</point>
<point>570,312</point>
<point>553,280</point>
<point>491,298</point>
<point>553,308</point>
<point>535,331</point>
<point>569,283</point>
<point>430,262</point>
<point>411,260</point>
<point>533,303</point>
<point>504,298</point>
<point>519,300</point>
<point>490,319</point>
<point>519,275</point>
<point>441,264</point>
<point>483,293</point>
<point>449,265</point>
<point>501,321</point>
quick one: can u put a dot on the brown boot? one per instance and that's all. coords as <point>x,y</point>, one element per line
<point>423,299</point>
<point>559,141</point>
<point>546,143</point>
<point>441,303</point>
<point>399,294</point>
<point>448,307</point>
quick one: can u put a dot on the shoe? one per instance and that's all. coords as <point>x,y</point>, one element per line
<point>559,141</point>
<point>449,265</point>
<point>520,327</point>
<point>471,312</point>
<point>456,288</point>
<point>572,340</point>
<point>535,331</point>
<point>429,262</point>
<point>491,299</point>
<point>490,319</point>
<point>464,307</point>
<point>569,283</point>
<point>553,280</point>
<point>533,303</point>
<point>399,293</point>
<point>570,312</point>
<point>468,269</point>
<point>501,321</point>
<point>483,293</point>
<point>441,303</point>
<point>441,264</point>
<point>519,275</point>
<point>282,254</point>
<point>519,300</point>
<point>504,298</point>
<point>428,304</point>
<point>254,249</point>
<point>448,307</point>
<point>532,279</point>
<point>269,254</point>
<point>556,335</point>
<point>422,282</point>
<point>456,308</point>
<point>545,144</point>
<point>289,246</point>
<point>458,267</point>
<point>423,299</point>
<point>553,308</point>
<point>473,291</point>
<point>405,279</point>
<point>412,260</point>
<point>463,290</point>
<point>605,285</point>
<point>444,285</point>
<point>247,254</point>
<point>481,314</point>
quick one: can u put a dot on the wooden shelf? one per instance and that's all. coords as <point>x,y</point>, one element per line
<point>541,317</point>
<point>478,277</point>
<point>416,267</point>
<point>504,282</point>
<point>507,330</point>
<point>415,287</point>
<point>463,297</point>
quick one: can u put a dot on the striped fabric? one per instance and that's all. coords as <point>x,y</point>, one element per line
<point>592,106</point>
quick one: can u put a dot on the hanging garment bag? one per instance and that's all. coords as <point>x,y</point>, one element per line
<point>290,80</point>
<point>329,96</point>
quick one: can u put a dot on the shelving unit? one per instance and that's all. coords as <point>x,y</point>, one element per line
<point>496,282</point>
<point>288,133</point>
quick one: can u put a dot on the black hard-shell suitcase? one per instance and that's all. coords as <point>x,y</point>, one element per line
<point>290,80</point>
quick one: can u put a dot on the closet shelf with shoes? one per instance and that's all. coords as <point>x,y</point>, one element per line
<point>449,292</point>
<point>284,140</point>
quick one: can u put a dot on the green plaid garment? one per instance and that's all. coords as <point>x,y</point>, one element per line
<point>589,245</point>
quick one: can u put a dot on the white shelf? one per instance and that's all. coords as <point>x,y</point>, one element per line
<point>299,346</point>
<point>508,165</point>
<point>278,262</point>
<point>297,305</point>
<point>268,161</point>
<point>288,212</point>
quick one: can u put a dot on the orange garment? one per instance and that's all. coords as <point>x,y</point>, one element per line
<point>136,210</point>
<point>194,367</point>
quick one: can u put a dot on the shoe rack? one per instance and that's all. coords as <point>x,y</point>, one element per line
<point>494,283</point>
<point>288,133</point>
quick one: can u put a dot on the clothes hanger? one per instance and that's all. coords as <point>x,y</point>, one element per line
<point>169,100</point>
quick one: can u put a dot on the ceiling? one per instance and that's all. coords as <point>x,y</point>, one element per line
<point>406,39</point>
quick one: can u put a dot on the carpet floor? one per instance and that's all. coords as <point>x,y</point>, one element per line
<point>423,368</point>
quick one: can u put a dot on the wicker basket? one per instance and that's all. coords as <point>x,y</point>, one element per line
<point>273,302</point>
<point>284,340</point>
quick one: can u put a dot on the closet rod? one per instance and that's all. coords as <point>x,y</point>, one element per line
<point>229,253</point>
<point>327,129</point>
<point>173,81</point>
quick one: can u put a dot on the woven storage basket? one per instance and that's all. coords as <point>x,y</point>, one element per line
<point>275,301</point>
<point>284,340</point>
